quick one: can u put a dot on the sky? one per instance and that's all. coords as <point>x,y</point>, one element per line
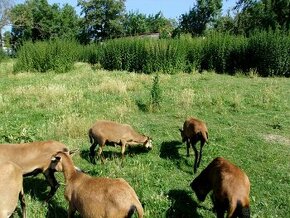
<point>169,8</point>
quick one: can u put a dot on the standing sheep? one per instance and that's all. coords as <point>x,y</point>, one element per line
<point>230,185</point>
<point>95,197</point>
<point>109,132</point>
<point>194,130</point>
<point>11,188</point>
<point>34,158</point>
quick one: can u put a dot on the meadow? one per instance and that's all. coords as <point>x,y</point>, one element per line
<point>248,118</point>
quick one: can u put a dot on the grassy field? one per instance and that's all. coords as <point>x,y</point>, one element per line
<point>248,120</point>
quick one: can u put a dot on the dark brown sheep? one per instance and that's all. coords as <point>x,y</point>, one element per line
<point>194,130</point>
<point>230,185</point>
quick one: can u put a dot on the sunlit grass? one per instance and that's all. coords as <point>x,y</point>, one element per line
<point>247,118</point>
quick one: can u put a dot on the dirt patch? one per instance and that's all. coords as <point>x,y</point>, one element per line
<point>277,139</point>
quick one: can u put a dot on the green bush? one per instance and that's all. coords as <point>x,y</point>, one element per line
<point>58,55</point>
<point>265,52</point>
<point>91,54</point>
<point>143,55</point>
<point>269,53</point>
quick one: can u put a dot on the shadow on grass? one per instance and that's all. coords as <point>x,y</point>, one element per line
<point>109,155</point>
<point>55,210</point>
<point>170,150</point>
<point>37,187</point>
<point>142,106</point>
<point>182,205</point>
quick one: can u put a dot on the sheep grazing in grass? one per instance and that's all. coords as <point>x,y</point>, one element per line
<point>109,132</point>
<point>34,158</point>
<point>194,130</point>
<point>11,188</point>
<point>95,197</point>
<point>230,185</point>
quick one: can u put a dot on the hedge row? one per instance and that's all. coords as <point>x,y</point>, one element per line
<point>268,53</point>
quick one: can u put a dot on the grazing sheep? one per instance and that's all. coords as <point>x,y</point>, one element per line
<point>230,185</point>
<point>95,197</point>
<point>11,188</point>
<point>34,158</point>
<point>109,132</point>
<point>194,130</point>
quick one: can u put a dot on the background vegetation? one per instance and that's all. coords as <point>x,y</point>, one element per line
<point>246,117</point>
<point>267,53</point>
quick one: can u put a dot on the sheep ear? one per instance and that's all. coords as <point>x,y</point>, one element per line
<point>73,152</point>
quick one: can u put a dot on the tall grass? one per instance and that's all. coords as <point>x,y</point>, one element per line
<point>266,53</point>
<point>269,53</point>
<point>57,55</point>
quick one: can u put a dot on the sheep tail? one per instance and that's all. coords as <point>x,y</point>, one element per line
<point>242,211</point>
<point>205,136</point>
<point>133,208</point>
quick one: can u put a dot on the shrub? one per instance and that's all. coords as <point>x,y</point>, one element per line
<point>58,55</point>
<point>155,94</point>
<point>269,53</point>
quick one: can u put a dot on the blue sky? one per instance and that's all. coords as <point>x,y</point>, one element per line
<point>169,8</point>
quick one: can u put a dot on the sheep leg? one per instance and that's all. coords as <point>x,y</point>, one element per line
<point>187,147</point>
<point>23,204</point>
<point>123,144</point>
<point>49,175</point>
<point>200,153</point>
<point>93,153</point>
<point>71,210</point>
<point>196,157</point>
<point>219,208</point>
<point>100,154</point>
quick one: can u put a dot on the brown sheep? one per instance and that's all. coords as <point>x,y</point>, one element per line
<point>194,130</point>
<point>34,158</point>
<point>11,188</point>
<point>95,197</point>
<point>230,185</point>
<point>109,132</point>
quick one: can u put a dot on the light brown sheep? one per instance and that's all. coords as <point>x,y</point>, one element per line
<point>230,185</point>
<point>95,197</point>
<point>194,130</point>
<point>109,132</point>
<point>11,188</point>
<point>34,158</point>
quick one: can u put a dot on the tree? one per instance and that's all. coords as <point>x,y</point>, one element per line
<point>103,19</point>
<point>202,15</point>
<point>37,20</point>
<point>262,15</point>
<point>7,39</point>
<point>135,23</point>
<point>5,7</point>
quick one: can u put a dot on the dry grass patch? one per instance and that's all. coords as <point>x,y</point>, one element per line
<point>112,86</point>
<point>187,97</point>
<point>272,138</point>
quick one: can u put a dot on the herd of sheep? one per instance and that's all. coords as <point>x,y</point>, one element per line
<point>113,198</point>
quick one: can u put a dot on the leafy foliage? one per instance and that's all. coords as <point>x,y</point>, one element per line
<point>202,14</point>
<point>58,55</point>
<point>37,20</point>
<point>102,18</point>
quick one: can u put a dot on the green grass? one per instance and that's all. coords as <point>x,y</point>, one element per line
<point>247,118</point>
